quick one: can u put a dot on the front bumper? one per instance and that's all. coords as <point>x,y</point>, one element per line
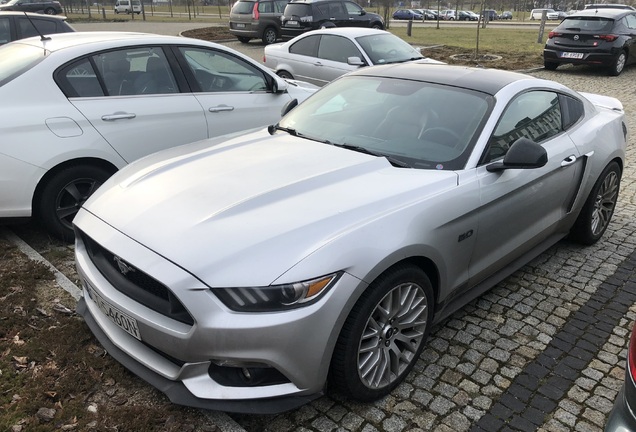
<point>196,362</point>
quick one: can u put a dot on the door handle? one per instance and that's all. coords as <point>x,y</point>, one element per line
<point>317,64</point>
<point>220,108</point>
<point>568,161</point>
<point>119,116</point>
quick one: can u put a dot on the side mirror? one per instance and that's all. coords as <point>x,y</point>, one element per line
<point>278,85</point>
<point>355,61</point>
<point>523,154</point>
<point>288,107</point>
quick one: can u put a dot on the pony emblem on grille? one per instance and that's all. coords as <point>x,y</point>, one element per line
<point>123,266</point>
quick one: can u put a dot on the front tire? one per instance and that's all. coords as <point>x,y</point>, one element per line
<point>384,334</point>
<point>284,74</point>
<point>243,39</point>
<point>64,194</point>
<point>619,64</point>
<point>599,207</point>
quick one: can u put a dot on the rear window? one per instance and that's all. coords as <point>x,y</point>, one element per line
<point>243,7</point>
<point>17,58</point>
<point>297,9</point>
<point>592,24</point>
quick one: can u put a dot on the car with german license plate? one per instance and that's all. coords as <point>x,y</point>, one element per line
<point>84,105</point>
<point>320,250</point>
<point>597,37</point>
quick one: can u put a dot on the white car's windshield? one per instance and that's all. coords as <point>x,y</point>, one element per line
<point>423,125</point>
<point>387,48</point>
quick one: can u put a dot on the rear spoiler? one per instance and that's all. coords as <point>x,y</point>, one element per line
<point>604,101</point>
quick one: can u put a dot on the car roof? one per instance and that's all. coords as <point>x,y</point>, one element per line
<point>59,41</point>
<point>351,32</point>
<point>33,15</point>
<point>488,81</point>
<point>602,12</point>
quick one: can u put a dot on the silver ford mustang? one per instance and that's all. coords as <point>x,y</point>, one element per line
<point>243,275</point>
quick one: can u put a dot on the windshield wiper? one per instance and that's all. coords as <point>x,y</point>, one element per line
<point>405,60</point>
<point>273,128</point>
<point>391,159</point>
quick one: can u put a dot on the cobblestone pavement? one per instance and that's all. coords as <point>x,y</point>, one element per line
<point>544,350</point>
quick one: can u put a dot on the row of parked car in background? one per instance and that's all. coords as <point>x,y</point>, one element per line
<point>448,15</point>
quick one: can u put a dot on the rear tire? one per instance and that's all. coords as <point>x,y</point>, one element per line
<point>599,207</point>
<point>49,11</point>
<point>64,194</point>
<point>269,36</point>
<point>550,65</point>
<point>384,334</point>
<point>619,64</point>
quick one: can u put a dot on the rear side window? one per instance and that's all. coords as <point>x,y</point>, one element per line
<point>592,24</point>
<point>243,7</point>
<point>44,26</point>
<point>572,110</point>
<point>266,7</point>
<point>307,46</point>
<point>5,30</point>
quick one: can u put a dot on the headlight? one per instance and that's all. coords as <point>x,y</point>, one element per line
<point>275,297</point>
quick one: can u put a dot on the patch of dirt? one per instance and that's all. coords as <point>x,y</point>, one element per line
<point>442,53</point>
<point>54,375</point>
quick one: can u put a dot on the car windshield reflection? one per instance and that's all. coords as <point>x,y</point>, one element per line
<point>422,125</point>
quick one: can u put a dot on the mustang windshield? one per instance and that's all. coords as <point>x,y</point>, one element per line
<point>425,125</point>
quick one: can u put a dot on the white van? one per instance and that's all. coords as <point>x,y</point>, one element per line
<point>124,6</point>
<point>537,13</point>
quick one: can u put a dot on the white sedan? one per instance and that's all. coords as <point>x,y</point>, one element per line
<point>83,105</point>
<point>321,56</point>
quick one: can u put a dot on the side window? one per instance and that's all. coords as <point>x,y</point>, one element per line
<point>572,110</point>
<point>534,115</point>
<point>5,30</point>
<point>80,80</point>
<point>631,21</point>
<point>27,30</point>
<point>336,10</point>
<point>216,71</point>
<point>279,6</point>
<point>136,71</point>
<point>337,48</point>
<point>353,9</point>
<point>307,46</point>
<point>266,7</point>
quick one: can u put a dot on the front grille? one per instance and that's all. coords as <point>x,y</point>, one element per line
<point>134,283</point>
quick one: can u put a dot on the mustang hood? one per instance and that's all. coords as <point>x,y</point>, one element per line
<point>245,211</point>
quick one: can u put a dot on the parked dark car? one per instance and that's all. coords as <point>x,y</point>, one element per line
<point>38,6</point>
<point>507,15</point>
<point>600,37</point>
<point>300,16</point>
<point>407,14</point>
<point>257,19</point>
<point>489,14</point>
<point>467,16</point>
<point>17,25</point>
<point>622,416</point>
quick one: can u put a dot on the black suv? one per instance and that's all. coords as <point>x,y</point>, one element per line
<point>304,15</point>
<point>40,6</point>
<point>259,19</point>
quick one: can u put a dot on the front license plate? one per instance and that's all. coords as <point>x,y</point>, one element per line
<point>240,25</point>
<point>122,320</point>
<point>572,55</point>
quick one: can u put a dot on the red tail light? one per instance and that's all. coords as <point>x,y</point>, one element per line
<point>255,13</point>
<point>608,38</point>
<point>631,355</point>
<point>553,34</point>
